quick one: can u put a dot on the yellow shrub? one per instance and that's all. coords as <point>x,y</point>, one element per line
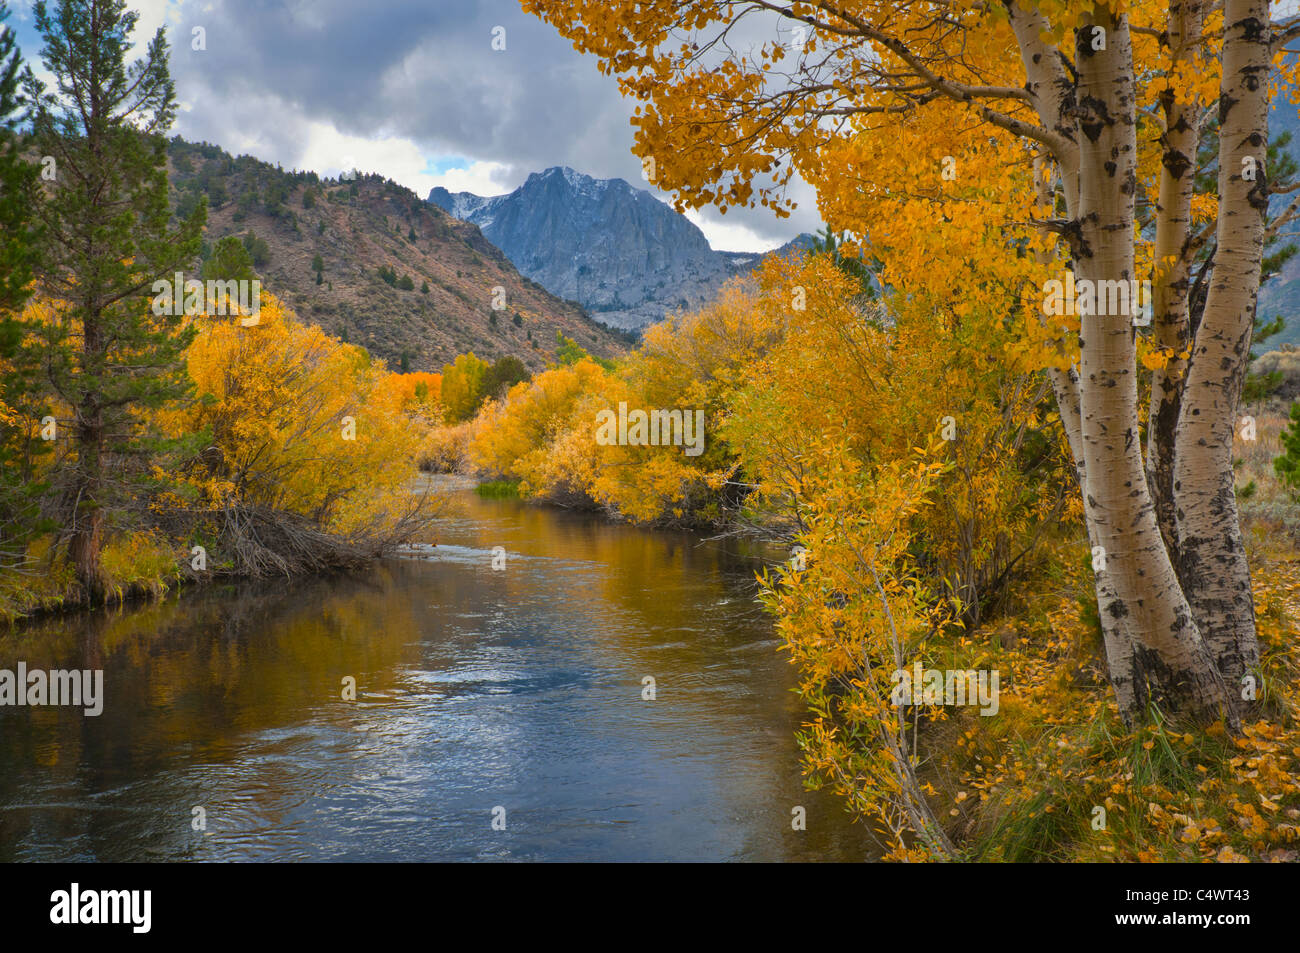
<point>299,421</point>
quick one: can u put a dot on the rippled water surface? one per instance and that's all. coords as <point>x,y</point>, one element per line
<point>476,688</point>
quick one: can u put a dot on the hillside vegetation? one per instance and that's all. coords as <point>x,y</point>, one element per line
<point>398,276</point>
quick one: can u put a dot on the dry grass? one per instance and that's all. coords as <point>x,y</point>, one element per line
<point>1263,501</point>
<point>1285,361</point>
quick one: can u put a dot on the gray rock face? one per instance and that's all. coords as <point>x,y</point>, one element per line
<point>622,254</point>
<point>1280,294</point>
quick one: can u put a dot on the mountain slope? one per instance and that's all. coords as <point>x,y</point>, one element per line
<point>621,253</point>
<point>370,234</point>
<point>1281,293</point>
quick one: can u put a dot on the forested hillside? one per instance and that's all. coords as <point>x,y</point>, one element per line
<point>398,276</point>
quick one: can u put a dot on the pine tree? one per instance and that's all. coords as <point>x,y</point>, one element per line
<point>1287,464</point>
<point>230,261</point>
<point>106,216</point>
<point>17,181</point>
<point>19,407</point>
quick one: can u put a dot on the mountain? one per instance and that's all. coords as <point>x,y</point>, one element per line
<point>1281,293</point>
<point>617,250</point>
<point>371,235</point>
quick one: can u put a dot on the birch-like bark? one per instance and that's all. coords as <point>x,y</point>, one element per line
<point>1052,92</point>
<point>1116,640</point>
<point>1154,651</point>
<point>1173,261</point>
<point>1169,663</point>
<point>1212,556</point>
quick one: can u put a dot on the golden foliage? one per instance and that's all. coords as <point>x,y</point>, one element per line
<point>297,421</point>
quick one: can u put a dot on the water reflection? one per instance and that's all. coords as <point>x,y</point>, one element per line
<point>475,689</point>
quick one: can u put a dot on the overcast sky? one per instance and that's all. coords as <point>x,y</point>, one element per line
<point>411,89</point>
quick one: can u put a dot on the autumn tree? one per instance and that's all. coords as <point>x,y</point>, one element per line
<point>309,445</point>
<point>1102,106</point>
<point>105,218</point>
<point>462,386</point>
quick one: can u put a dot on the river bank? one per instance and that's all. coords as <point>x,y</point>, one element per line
<point>146,564</point>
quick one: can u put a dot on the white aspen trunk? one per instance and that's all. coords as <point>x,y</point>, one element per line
<point>1169,663</point>
<point>1211,550</point>
<point>1170,285</point>
<point>1116,639</point>
<point>1154,651</point>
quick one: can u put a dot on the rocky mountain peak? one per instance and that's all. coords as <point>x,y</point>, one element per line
<point>623,254</point>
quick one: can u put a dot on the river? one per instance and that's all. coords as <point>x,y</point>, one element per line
<point>485,699</point>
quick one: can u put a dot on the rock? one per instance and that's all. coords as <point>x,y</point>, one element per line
<point>620,252</point>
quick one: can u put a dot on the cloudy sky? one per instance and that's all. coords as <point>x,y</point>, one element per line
<point>411,89</point>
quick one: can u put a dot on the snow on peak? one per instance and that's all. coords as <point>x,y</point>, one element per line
<point>577,182</point>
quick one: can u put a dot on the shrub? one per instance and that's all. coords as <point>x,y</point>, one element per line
<point>1287,464</point>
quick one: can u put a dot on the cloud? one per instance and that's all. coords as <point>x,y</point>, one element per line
<point>403,86</point>
<point>481,178</point>
<point>731,236</point>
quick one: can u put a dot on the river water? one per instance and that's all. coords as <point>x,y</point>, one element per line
<point>484,698</point>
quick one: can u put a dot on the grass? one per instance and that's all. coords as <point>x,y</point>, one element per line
<point>139,564</point>
<point>498,490</point>
<point>135,564</point>
<point>1261,497</point>
<point>1059,777</point>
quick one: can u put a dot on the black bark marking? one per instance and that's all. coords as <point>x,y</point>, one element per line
<point>1226,103</point>
<point>1093,117</point>
<point>1175,162</point>
<point>1253,30</point>
<point>1084,40</point>
<point>1072,232</point>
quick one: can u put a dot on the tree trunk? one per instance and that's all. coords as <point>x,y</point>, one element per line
<point>1116,640</point>
<point>1173,259</point>
<point>1166,661</point>
<point>84,548</point>
<point>87,514</point>
<point>1212,556</point>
